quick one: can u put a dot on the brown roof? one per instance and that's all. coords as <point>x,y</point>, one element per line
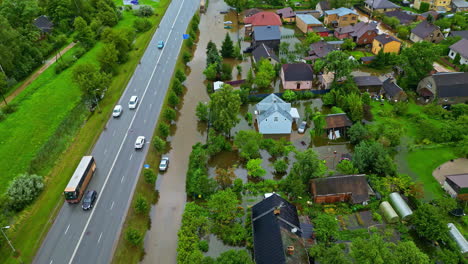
<point>263,19</point>
<point>459,179</point>
<point>251,12</point>
<point>354,184</point>
<point>337,121</point>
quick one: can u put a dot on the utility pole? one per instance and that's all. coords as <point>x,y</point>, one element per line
<point>8,240</point>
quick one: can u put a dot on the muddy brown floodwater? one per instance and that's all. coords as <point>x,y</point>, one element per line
<point>161,239</point>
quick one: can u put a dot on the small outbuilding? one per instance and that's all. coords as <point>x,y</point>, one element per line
<point>336,125</point>
<point>400,206</point>
<point>457,186</point>
<point>371,84</point>
<point>458,238</point>
<point>387,210</point>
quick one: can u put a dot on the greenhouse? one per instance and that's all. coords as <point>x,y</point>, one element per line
<point>458,238</point>
<point>401,207</point>
<point>388,212</point>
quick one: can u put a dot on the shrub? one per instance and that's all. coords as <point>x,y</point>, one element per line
<point>169,114</point>
<point>336,110</point>
<point>9,109</point>
<point>254,168</point>
<point>177,87</point>
<point>189,43</point>
<point>141,205</point>
<point>141,24</point>
<point>180,75</point>
<point>226,72</point>
<point>133,236</point>
<point>280,166</point>
<point>163,129</point>
<point>424,7</point>
<point>173,99</point>
<point>23,190</point>
<point>80,51</point>
<point>203,245</point>
<point>159,144</point>
<point>186,57</point>
<point>144,11</point>
<point>150,176</point>
<point>289,96</point>
<point>63,64</point>
<point>377,217</point>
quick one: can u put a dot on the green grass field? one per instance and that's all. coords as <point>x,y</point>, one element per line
<point>31,225</point>
<point>357,54</point>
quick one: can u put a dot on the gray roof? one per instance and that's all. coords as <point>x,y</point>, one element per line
<point>272,104</point>
<point>308,19</point>
<point>44,24</point>
<point>384,39</point>
<point>461,180</point>
<point>462,33</point>
<point>381,4</point>
<point>286,12</point>
<point>367,81</point>
<point>461,47</point>
<point>266,33</point>
<point>321,49</point>
<point>404,17</point>
<point>324,5</point>
<point>424,29</point>
<point>391,88</point>
<point>298,72</point>
<point>451,84</point>
<point>342,11</point>
<point>361,28</point>
<point>460,3</point>
<point>263,51</point>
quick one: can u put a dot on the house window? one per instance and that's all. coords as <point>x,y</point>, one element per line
<point>353,18</point>
<point>276,119</point>
<point>365,40</point>
<point>298,85</point>
<point>345,18</point>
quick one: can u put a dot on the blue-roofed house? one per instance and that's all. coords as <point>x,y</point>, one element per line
<point>380,6</point>
<point>278,237</point>
<point>341,17</point>
<point>268,35</point>
<point>306,22</point>
<point>275,116</point>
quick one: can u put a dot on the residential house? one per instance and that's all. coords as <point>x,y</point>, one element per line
<point>262,51</point>
<point>268,35</point>
<point>426,31</point>
<point>275,116</point>
<point>447,88</point>
<point>278,236</point>
<point>336,125</point>
<point>323,6</point>
<point>402,16</point>
<point>380,6</point>
<point>341,17</point>
<point>463,34</point>
<point>325,80</point>
<point>459,6</point>
<point>261,19</point>
<point>287,15</point>
<point>313,13</point>
<point>307,22</point>
<point>386,43</point>
<point>44,24</point>
<point>346,188</point>
<point>319,50</point>
<point>297,76</point>
<point>437,5</point>
<point>392,91</point>
<point>460,48</point>
<point>371,84</point>
<point>252,11</point>
<point>423,16</point>
<point>362,33</point>
<point>457,186</point>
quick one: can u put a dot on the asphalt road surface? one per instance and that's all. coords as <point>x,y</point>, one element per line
<point>79,236</point>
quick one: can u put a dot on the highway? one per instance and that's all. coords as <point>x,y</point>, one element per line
<point>79,236</point>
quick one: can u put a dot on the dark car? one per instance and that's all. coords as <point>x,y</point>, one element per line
<point>89,199</point>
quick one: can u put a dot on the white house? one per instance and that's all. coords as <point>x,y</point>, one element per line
<point>461,47</point>
<point>275,116</point>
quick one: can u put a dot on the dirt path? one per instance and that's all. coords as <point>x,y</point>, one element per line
<point>36,74</point>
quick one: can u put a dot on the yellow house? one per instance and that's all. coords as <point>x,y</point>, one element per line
<point>386,43</point>
<point>287,15</point>
<point>438,5</point>
<point>341,17</point>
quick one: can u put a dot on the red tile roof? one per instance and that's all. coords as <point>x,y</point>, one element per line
<point>263,19</point>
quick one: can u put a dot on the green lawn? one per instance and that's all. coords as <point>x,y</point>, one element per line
<point>357,54</point>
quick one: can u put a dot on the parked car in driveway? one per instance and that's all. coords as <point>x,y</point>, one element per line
<point>132,104</point>
<point>117,111</point>
<point>89,199</point>
<point>140,142</point>
<point>302,127</point>
<point>160,44</point>
<point>164,163</point>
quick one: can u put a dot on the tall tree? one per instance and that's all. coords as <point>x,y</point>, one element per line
<point>339,63</point>
<point>91,82</point>
<point>227,48</point>
<point>254,168</point>
<point>224,208</point>
<point>248,142</point>
<point>370,156</point>
<point>265,73</point>
<point>19,13</point>
<point>428,222</point>
<point>372,251</point>
<point>234,257</point>
<point>407,252</point>
<point>329,255</point>
<point>325,227</point>
<point>224,109</point>
<point>107,58</point>
<point>417,62</point>
<point>3,86</point>
<point>308,165</point>
<point>225,177</point>
<point>84,34</point>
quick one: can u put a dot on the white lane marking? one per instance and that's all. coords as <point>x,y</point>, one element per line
<point>121,144</point>
<point>105,151</point>
<point>113,133</point>
<point>144,121</point>
<point>151,105</point>
<point>112,205</point>
<point>99,239</point>
<point>131,155</point>
<point>155,92</point>
<point>122,179</point>
<point>52,261</point>
<point>67,229</point>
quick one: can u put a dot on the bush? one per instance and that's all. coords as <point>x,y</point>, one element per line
<point>289,96</point>
<point>173,99</point>
<point>159,144</point>
<point>141,205</point>
<point>144,11</point>
<point>164,130</point>
<point>23,190</point>
<point>177,87</point>
<point>424,7</point>
<point>186,57</point>
<point>9,109</point>
<point>150,176</point>
<point>141,24</point>
<point>281,166</point>
<point>80,51</point>
<point>169,114</point>
<point>180,75</point>
<point>203,245</point>
<point>133,236</point>
<point>63,64</point>
<point>226,72</point>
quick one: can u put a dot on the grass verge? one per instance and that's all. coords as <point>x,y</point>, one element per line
<point>125,252</point>
<point>32,224</point>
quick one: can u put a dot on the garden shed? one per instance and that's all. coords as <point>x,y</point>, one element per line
<point>458,238</point>
<point>388,212</point>
<point>401,207</point>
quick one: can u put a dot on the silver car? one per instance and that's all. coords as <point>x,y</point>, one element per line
<point>140,142</point>
<point>302,127</point>
<point>164,163</point>
<point>132,104</point>
<point>117,111</point>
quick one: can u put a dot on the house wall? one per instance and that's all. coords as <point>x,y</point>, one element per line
<point>415,38</point>
<point>350,19</point>
<point>333,198</point>
<point>452,54</point>
<point>341,36</point>
<point>289,19</point>
<point>433,4</point>
<point>301,25</point>
<point>393,46</point>
<point>429,84</point>
<point>435,37</point>
<point>274,44</point>
<point>367,38</point>
<point>292,85</point>
<point>370,89</point>
<point>381,10</point>
<point>275,124</point>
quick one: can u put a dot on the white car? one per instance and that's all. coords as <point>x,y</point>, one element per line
<point>132,104</point>
<point>117,111</point>
<point>140,142</point>
<point>164,163</point>
<point>302,127</point>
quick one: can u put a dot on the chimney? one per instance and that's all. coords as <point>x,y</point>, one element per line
<point>263,15</point>
<point>277,211</point>
<point>387,36</point>
<point>290,250</point>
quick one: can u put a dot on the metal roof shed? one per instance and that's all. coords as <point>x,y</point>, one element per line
<point>388,212</point>
<point>401,207</point>
<point>458,237</point>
